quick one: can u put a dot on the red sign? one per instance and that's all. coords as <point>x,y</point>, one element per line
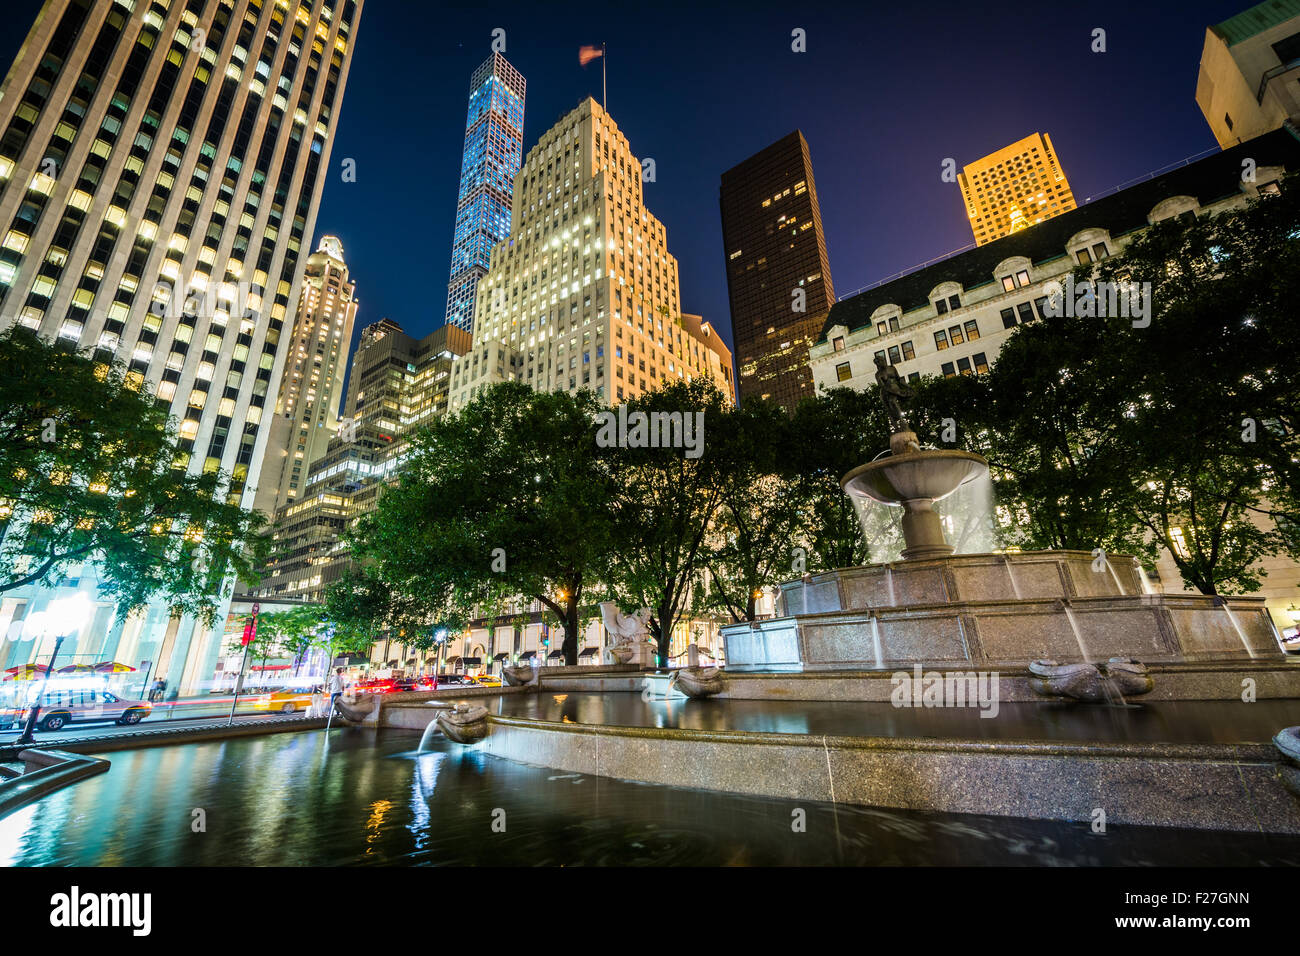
<point>250,632</point>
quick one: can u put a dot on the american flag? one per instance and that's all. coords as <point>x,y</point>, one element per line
<point>588,53</point>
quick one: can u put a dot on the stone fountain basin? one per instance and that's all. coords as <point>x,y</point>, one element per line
<point>932,474</point>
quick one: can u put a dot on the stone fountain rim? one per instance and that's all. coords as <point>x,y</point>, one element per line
<point>928,454</point>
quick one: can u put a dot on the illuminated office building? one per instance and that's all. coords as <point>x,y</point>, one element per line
<point>778,273</point>
<point>584,294</point>
<point>161,166</point>
<point>1017,187</point>
<point>494,144</point>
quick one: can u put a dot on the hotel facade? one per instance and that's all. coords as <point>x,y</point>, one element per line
<point>161,167</point>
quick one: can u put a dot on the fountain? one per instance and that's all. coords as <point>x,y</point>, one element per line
<point>997,610</point>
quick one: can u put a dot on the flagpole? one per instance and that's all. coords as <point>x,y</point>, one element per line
<point>602,77</point>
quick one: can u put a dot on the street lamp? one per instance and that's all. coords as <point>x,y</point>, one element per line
<point>64,617</point>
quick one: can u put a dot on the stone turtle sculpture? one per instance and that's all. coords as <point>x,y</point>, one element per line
<point>464,723</point>
<point>1117,678</point>
<point>697,681</point>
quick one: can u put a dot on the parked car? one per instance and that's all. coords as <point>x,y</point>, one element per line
<point>61,706</point>
<point>453,680</point>
<point>487,680</point>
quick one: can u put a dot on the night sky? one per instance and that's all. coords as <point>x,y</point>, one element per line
<point>883,96</point>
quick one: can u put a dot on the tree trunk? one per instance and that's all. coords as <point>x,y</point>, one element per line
<point>664,639</point>
<point>570,646</point>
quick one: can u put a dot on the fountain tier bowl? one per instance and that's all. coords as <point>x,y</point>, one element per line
<point>924,475</point>
<point>916,480</point>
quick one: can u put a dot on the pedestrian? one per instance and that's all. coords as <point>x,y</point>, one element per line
<point>336,688</point>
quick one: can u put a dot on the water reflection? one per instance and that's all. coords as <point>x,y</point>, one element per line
<point>293,799</point>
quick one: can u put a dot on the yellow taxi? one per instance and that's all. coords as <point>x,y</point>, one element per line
<point>487,680</point>
<point>287,701</point>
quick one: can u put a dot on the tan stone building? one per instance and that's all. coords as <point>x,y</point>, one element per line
<point>584,293</point>
<point>1249,81</point>
<point>1014,188</point>
<point>312,385</point>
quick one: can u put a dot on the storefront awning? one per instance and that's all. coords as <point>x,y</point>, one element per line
<point>526,655</point>
<point>589,652</point>
<point>472,661</point>
<point>501,657</point>
<point>554,654</point>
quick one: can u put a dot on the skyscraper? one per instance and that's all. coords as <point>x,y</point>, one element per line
<point>584,292</point>
<point>494,145</point>
<point>778,273</point>
<point>397,385</point>
<point>312,385</point>
<point>161,165</point>
<point>1018,186</point>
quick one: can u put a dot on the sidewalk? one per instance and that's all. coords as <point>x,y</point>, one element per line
<point>94,738</point>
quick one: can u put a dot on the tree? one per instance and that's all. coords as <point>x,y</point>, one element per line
<point>89,470</point>
<point>664,501</point>
<point>508,496</point>
<point>755,541</point>
<point>834,433</point>
<point>1214,404</point>
<point>291,632</point>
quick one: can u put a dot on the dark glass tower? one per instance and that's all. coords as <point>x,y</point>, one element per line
<point>778,275</point>
<point>494,139</point>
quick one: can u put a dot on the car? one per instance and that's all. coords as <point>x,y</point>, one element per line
<point>487,680</point>
<point>375,685</point>
<point>287,700</point>
<point>453,680</point>
<point>61,706</point>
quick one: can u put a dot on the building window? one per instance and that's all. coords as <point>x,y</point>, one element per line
<point>972,330</point>
<point>843,372</point>
<point>1083,257</point>
<point>954,335</point>
<point>954,302</point>
<point>894,355</point>
<point>1008,284</point>
<point>941,340</point>
<point>1022,278</point>
<point>963,366</point>
<point>940,306</point>
<point>1040,305</point>
<point>1228,120</point>
<point>1100,251</point>
<point>838,343</point>
<point>908,352</point>
<point>981,363</point>
<point>1008,318</point>
<point>1026,312</point>
<point>881,328</point>
<point>948,371</point>
<point>893,323</point>
<point>914,377</point>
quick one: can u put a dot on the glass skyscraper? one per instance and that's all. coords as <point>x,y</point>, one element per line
<point>494,139</point>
